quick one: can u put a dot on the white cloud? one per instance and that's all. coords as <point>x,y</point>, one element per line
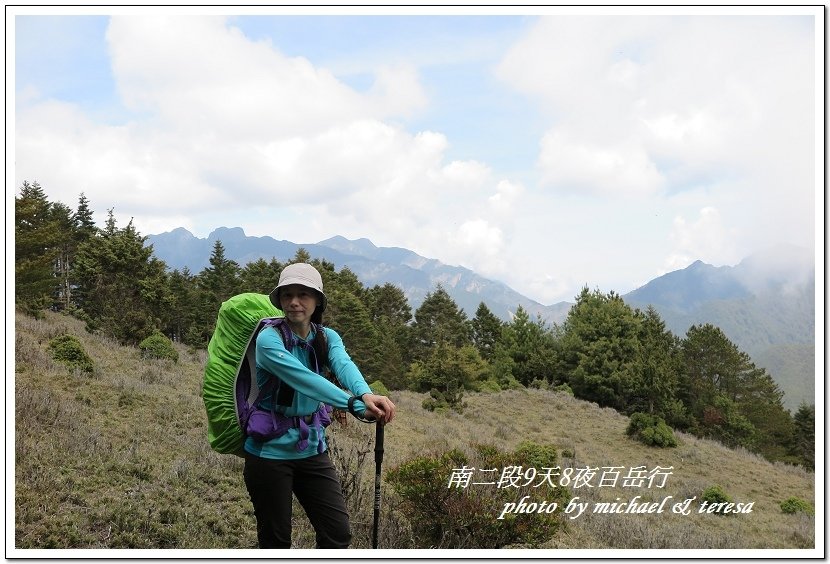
<point>224,122</point>
<point>677,130</point>
<point>123,166</point>
<point>507,193</point>
<point>646,120</point>
<point>705,236</point>
<point>713,93</point>
<point>398,91</point>
<point>197,73</point>
<point>549,289</point>
<point>622,170</point>
<point>463,175</point>
<point>677,114</point>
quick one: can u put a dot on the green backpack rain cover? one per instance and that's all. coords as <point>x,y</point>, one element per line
<point>233,339</point>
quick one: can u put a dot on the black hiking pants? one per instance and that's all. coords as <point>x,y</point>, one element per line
<point>314,481</point>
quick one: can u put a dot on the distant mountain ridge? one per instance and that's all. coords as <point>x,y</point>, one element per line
<point>414,274</point>
<point>765,304</point>
<point>771,292</point>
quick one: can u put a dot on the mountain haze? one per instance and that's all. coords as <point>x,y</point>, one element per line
<point>765,304</point>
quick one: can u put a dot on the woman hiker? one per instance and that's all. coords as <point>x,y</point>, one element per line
<point>297,462</point>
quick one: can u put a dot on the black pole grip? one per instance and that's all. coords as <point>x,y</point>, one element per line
<point>378,445</point>
<point>378,463</point>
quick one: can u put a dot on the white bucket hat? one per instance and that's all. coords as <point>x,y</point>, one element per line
<point>304,275</point>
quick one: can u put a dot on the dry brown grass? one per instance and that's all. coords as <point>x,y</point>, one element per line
<point>596,438</point>
<point>119,459</point>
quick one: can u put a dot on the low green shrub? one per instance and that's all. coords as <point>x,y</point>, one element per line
<point>158,346</point>
<point>539,384</point>
<point>379,388</point>
<point>714,495</point>
<point>444,401</point>
<point>490,385</point>
<point>796,505</point>
<point>446,508</point>
<point>651,430</point>
<point>564,388</point>
<point>68,350</point>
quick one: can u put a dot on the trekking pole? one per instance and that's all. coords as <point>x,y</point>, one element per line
<point>378,462</point>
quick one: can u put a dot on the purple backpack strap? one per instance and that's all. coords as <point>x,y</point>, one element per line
<point>279,323</point>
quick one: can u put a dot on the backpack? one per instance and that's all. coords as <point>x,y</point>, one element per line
<point>229,389</point>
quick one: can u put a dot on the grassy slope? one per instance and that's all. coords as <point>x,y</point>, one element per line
<point>120,459</point>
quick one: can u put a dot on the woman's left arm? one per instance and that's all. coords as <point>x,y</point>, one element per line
<point>350,377</point>
<point>343,366</point>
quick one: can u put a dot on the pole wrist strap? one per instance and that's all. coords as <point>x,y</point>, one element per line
<point>350,405</point>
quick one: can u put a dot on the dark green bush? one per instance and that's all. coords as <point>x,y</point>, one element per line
<point>651,430</point>
<point>434,401</point>
<point>539,384</point>
<point>795,505</point>
<point>379,388</point>
<point>68,350</point>
<point>490,385</point>
<point>443,401</point>
<point>715,494</point>
<point>537,456</point>
<point>564,387</point>
<point>444,512</point>
<point>158,346</point>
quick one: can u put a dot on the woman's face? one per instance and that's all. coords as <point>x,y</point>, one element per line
<point>298,303</point>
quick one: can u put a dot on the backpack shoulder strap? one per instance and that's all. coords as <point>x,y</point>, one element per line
<point>281,325</point>
<point>284,395</point>
<point>323,352</point>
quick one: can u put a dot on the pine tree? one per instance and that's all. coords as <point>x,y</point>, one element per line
<point>446,372</point>
<point>349,317</point>
<point>657,370</point>
<point>331,279</point>
<point>83,219</point>
<point>761,401</point>
<point>260,276</point>
<point>302,255</point>
<point>705,358</point>
<point>388,302</point>
<point>599,348</point>
<point>215,284</point>
<point>66,247</point>
<point>439,320</point>
<point>345,281</point>
<point>84,230</point>
<point>124,287</point>
<point>729,398</point>
<point>533,352</point>
<point>486,331</point>
<point>502,363</point>
<point>390,312</point>
<point>804,435</point>
<point>221,279</point>
<point>183,306</point>
<point>35,244</point>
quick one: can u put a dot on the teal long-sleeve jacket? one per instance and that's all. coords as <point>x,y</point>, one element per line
<point>311,389</point>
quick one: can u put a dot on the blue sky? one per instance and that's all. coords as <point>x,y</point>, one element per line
<point>453,62</point>
<point>546,149</point>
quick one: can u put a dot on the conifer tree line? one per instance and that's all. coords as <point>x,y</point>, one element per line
<point>604,351</point>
